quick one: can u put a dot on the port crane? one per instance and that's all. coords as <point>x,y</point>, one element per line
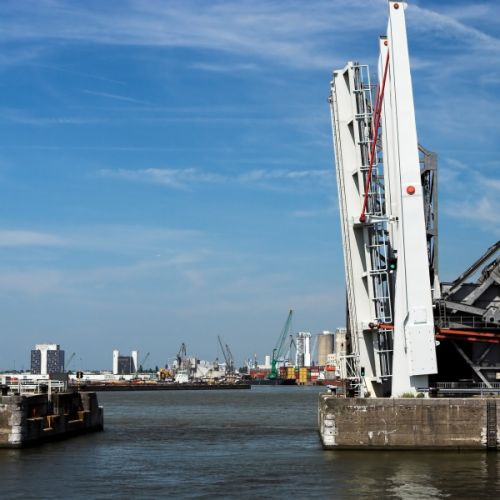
<point>231,359</point>
<point>278,349</point>
<point>68,363</point>
<point>389,230</point>
<point>182,359</point>
<point>292,347</point>
<point>143,361</point>
<point>228,356</point>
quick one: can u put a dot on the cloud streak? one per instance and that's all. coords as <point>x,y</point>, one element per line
<point>20,238</point>
<point>476,200</point>
<point>182,178</point>
<point>292,35</point>
<point>116,97</point>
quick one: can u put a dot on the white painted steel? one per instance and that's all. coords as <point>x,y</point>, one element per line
<point>414,344</point>
<point>350,190</point>
<point>414,355</point>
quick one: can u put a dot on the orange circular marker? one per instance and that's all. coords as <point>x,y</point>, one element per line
<point>396,6</point>
<point>410,189</point>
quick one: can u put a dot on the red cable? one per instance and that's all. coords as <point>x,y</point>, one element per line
<point>378,111</point>
<point>375,107</point>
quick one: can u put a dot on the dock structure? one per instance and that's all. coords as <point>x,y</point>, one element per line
<point>410,423</point>
<point>399,315</point>
<point>27,420</point>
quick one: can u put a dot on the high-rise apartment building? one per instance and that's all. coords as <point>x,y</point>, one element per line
<point>47,359</point>
<point>125,365</point>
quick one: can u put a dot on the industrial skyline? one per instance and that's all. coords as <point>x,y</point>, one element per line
<point>166,172</point>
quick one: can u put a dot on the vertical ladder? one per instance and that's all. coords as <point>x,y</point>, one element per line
<point>376,220</point>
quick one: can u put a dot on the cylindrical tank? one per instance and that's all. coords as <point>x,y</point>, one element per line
<point>135,361</point>
<point>326,346</point>
<point>267,361</point>
<point>116,355</point>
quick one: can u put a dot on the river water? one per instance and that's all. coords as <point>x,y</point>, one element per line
<point>258,443</point>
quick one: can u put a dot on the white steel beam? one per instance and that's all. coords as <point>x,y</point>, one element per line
<point>414,346</point>
<point>351,190</point>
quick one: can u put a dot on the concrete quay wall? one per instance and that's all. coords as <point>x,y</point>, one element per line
<point>409,423</point>
<point>32,419</point>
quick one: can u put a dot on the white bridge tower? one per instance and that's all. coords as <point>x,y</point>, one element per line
<point>381,198</point>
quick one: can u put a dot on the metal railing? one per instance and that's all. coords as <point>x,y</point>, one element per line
<point>29,386</point>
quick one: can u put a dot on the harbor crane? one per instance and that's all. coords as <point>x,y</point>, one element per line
<point>143,361</point>
<point>231,359</point>
<point>228,356</point>
<point>292,347</point>
<point>182,359</point>
<point>278,349</point>
<point>68,363</point>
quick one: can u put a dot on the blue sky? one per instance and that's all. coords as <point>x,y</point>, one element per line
<point>166,168</point>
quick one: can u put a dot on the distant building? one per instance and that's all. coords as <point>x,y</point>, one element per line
<point>303,352</point>
<point>47,359</point>
<point>125,365</point>
<point>267,362</point>
<point>331,359</point>
<point>326,346</point>
<point>341,341</point>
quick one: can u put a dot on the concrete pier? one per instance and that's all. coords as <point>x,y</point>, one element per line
<point>33,419</point>
<point>409,423</point>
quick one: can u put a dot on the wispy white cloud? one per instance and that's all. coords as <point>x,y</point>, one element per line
<point>315,212</point>
<point>452,25</point>
<point>119,254</point>
<point>116,97</point>
<point>482,212</point>
<point>182,178</point>
<point>261,174</point>
<point>32,282</point>
<point>24,117</point>
<point>290,34</point>
<point>489,183</point>
<point>117,238</point>
<point>62,69</point>
<point>225,68</point>
<point>471,196</point>
<point>20,55</point>
<point>170,177</point>
<point>129,239</point>
<point>16,238</point>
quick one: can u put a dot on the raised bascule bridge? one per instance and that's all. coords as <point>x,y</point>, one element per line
<point>409,335</point>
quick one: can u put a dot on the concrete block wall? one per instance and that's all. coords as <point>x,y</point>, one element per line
<point>33,419</point>
<point>409,423</point>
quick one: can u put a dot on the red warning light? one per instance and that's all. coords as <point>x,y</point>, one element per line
<point>386,43</point>
<point>410,189</point>
<point>396,6</point>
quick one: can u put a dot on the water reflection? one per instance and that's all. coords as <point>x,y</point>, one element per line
<point>416,474</point>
